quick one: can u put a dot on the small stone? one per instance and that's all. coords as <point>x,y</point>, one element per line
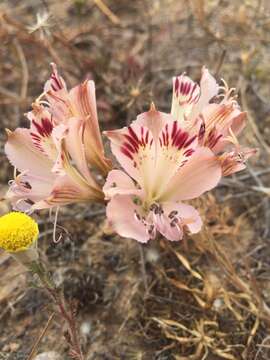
<point>152,255</point>
<point>85,328</point>
<point>14,346</point>
<point>50,355</point>
<point>218,303</point>
<point>4,355</point>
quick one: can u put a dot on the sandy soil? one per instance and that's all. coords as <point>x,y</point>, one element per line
<point>204,298</point>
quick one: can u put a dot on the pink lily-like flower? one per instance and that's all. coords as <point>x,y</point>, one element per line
<point>213,112</point>
<point>163,166</point>
<point>234,159</point>
<point>80,103</point>
<point>47,176</point>
<point>53,154</point>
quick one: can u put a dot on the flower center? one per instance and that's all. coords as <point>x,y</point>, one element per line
<point>154,219</point>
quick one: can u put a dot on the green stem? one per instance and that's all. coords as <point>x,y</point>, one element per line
<point>58,299</point>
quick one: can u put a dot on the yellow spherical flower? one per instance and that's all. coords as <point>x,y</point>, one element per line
<point>18,232</point>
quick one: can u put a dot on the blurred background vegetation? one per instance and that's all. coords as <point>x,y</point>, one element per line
<point>207,297</point>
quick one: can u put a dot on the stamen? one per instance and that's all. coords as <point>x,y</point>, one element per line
<point>17,204</point>
<point>56,241</point>
<point>202,129</point>
<point>156,208</point>
<point>137,216</point>
<point>172,214</point>
<point>151,229</point>
<point>174,222</point>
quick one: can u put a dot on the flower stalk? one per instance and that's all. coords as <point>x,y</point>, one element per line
<point>18,236</point>
<point>65,310</point>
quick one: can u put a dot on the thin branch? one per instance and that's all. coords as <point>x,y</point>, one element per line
<point>39,339</point>
<point>25,72</point>
<point>143,268</point>
<point>250,118</point>
<point>107,11</point>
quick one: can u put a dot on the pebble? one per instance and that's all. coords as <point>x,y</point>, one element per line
<point>152,255</point>
<point>49,355</point>
<point>85,328</point>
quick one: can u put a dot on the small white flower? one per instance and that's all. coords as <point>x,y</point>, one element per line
<point>42,24</point>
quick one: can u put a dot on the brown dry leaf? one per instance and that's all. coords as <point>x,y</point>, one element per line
<point>187,265</point>
<point>225,355</point>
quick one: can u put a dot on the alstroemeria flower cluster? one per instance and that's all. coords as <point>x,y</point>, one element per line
<point>212,113</point>
<point>166,159</point>
<point>55,154</point>
<point>170,158</point>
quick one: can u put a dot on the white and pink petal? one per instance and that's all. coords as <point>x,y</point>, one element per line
<point>201,173</point>
<point>185,215</point>
<point>154,121</point>
<point>235,160</point>
<point>56,82</point>
<point>119,183</point>
<point>75,146</point>
<point>134,149</point>
<point>175,148</point>
<point>186,94</point>
<point>83,104</point>
<point>23,154</point>
<point>26,189</point>
<point>124,216</point>
<point>209,89</point>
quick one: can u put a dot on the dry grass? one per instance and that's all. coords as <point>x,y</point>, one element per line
<point>204,298</point>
